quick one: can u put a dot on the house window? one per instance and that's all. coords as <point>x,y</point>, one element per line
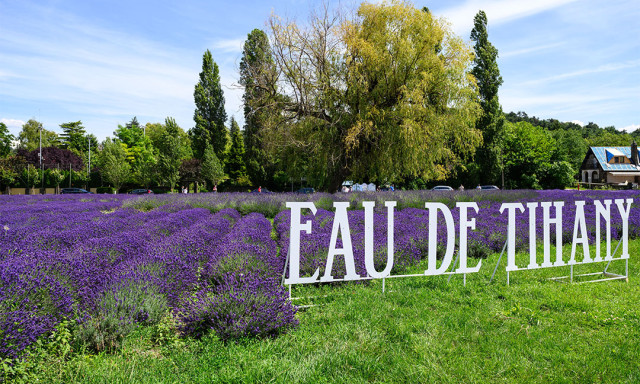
<point>616,159</point>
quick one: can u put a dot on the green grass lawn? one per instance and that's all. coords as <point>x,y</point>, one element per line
<point>422,329</point>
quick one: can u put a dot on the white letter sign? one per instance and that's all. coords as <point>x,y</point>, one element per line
<point>294,243</point>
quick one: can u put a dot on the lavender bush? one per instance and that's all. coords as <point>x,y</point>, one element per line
<point>114,262</point>
<point>239,305</point>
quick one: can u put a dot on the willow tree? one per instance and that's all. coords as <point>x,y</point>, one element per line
<point>379,97</point>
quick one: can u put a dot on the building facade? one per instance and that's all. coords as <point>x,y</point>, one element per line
<point>611,165</point>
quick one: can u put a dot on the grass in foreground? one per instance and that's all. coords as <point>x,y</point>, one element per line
<point>421,330</point>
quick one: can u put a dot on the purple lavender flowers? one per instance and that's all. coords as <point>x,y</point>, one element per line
<point>215,261</point>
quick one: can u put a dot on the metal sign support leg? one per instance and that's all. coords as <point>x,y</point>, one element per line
<point>498,263</point>
<point>605,274</point>
<point>454,265</point>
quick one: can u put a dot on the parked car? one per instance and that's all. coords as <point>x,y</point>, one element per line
<point>73,190</point>
<point>140,192</point>
<point>305,190</point>
<point>442,188</point>
<point>490,187</point>
<point>263,190</point>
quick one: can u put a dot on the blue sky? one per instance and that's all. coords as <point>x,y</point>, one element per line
<point>104,62</point>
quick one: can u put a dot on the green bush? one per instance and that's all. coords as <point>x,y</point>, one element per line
<point>105,190</point>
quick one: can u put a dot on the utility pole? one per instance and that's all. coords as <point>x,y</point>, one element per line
<point>89,166</point>
<point>40,156</point>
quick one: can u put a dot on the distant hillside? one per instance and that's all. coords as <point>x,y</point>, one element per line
<point>589,131</point>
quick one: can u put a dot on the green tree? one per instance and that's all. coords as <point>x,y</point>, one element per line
<point>57,177</point>
<point>156,131</point>
<point>211,170</point>
<point>29,137</point>
<point>570,147</point>
<point>131,134</point>
<point>30,176</point>
<point>258,77</point>
<point>209,116</point>
<point>136,144</point>
<point>236,168</point>
<point>609,139</point>
<point>557,175</point>
<point>8,171</point>
<point>139,150</point>
<point>171,154</point>
<point>382,97</point>
<point>115,168</point>
<point>528,151</point>
<point>6,139</point>
<point>73,136</point>
<point>491,122</point>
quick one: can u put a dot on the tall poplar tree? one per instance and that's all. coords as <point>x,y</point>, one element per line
<point>258,76</point>
<point>491,122</point>
<point>209,115</point>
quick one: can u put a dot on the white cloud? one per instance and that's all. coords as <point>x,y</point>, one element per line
<point>77,68</point>
<point>498,11</point>
<point>610,67</point>
<point>228,45</point>
<point>580,123</point>
<point>12,123</point>
<point>631,128</point>
<point>526,51</point>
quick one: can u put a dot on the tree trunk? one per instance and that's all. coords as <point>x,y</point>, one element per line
<point>336,180</point>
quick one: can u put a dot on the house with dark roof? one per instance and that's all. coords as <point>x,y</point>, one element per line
<point>611,165</point>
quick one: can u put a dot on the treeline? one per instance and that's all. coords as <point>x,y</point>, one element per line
<point>556,149</point>
<point>385,95</point>
<point>153,155</point>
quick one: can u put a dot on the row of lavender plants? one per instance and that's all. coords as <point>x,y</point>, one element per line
<point>112,268</point>
<point>111,263</point>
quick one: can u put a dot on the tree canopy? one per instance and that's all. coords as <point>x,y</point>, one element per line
<point>29,136</point>
<point>210,115</point>
<point>114,167</point>
<point>382,96</point>
<point>6,139</point>
<point>236,168</point>
<point>258,77</point>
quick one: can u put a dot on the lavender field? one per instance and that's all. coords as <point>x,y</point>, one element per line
<point>210,262</point>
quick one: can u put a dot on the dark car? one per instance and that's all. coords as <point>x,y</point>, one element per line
<point>442,188</point>
<point>263,190</point>
<point>140,191</point>
<point>489,187</point>
<point>305,190</point>
<point>73,190</point>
